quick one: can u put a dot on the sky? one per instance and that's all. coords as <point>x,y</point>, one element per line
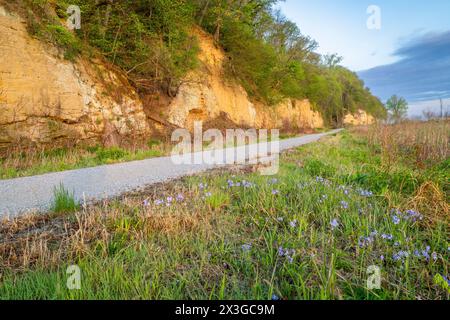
<point>408,55</point>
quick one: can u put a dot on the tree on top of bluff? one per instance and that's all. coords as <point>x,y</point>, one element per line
<point>152,41</point>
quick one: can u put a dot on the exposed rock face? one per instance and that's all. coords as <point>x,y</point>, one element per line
<point>359,118</point>
<point>206,94</point>
<point>297,114</point>
<point>44,98</point>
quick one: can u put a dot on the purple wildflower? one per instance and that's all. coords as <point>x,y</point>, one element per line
<point>366,193</point>
<point>287,253</point>
<point>334,224</point>
<point>293,224</point>
<point>413,215</point>
<point>247,184</point>
<point>426,253</point>
<point>344,205</point>
<point>387,236</point>
<point>434,255</point>
<point>396,220</point>
<point>400,256</point>
<point>365,241</point>
<point>247,247</point>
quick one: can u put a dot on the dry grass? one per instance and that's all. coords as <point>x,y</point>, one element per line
<point>430,199</point>
<point>419,145</point>
<point>45,240</point>
<point>424,143</point>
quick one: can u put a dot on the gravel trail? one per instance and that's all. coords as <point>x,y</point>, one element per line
<point>21,195</point>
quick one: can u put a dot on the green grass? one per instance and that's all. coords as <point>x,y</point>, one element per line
<point>222,242</point>
<point>64,201</point>
<point>39,162</point>
<point>64,39</point>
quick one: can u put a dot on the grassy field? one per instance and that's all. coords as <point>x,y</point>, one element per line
<point>368,197</point>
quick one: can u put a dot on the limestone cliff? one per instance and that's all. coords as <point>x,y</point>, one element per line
<point>359,118</point>
<point>207,94</point>
<point>45,98</point>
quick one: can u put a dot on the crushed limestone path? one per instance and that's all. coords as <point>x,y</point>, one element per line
<point>22,195</point>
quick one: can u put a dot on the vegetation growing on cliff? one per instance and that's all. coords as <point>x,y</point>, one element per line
<point>274,60</point>
<point>335,208</point>
<point>151,40</point>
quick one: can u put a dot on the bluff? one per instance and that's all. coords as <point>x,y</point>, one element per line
<point>45,99</point>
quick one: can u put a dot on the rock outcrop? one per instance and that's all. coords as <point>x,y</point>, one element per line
<point>207,94</point>
<point>359,118</point>
<point>44,98</point>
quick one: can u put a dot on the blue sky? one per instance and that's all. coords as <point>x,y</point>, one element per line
<point>409,55</point>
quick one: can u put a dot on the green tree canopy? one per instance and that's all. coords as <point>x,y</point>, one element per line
<point>152,41</point>
<point>397,107</point>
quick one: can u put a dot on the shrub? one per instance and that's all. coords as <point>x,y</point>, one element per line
<point>64,39</point>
